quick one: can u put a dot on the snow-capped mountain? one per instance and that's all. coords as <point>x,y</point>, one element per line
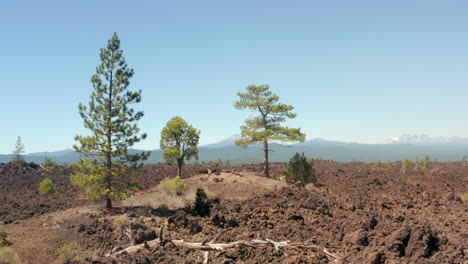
<point>424,139</point>
<point>230,141</point>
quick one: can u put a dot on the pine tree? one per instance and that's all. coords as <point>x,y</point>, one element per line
<point>179,142</point>
<point>300,170</point>
<point>266,125</point>
<point>105,165</point>
<point>18,157</point>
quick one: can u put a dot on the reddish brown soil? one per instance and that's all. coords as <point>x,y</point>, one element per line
<point>362,216</point>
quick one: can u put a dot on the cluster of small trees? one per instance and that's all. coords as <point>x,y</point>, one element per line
<point>106,163</point>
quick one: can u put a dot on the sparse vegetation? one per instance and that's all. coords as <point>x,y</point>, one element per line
<point>49,164</point>
<point>375,165</point>
<point>18,157</point>
<point>172,186</point>
<point>8,256</point>
<point>46,187</point>
<point>179,142</point>
<point>226,163</point>
<point>464,161</point>
<point>406,166</point>
<point>3,237</point>
<point>69,252</point>
<point>300,170</point>
<point>464,197</point>
<point>121,220</point>
<point>390,164</point>
<point>114,130</point>
<point>266,125</point>
<point>423,164</point>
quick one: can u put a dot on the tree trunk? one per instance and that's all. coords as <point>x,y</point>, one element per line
<point>180,162</point>
<point>266,170</point>
<point>109,147</point>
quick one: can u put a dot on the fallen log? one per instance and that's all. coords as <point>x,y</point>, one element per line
<point>206,246</point>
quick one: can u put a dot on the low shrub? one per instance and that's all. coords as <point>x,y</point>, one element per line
<point>9,256</point>
<point>406,165</point>
<point>464,197</point>
<point>49,164</point>
<point>46,187</point>
<point>121,221</point>
<point>172,186</point>
<point>3,237</point>
<point>300,170</point>
<point>375,165</point>
<point>69,252</point>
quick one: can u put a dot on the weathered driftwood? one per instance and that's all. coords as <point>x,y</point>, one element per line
<point>207,246</point>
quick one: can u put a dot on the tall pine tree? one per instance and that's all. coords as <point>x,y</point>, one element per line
<point>266,125</point>
<point>106,164</point>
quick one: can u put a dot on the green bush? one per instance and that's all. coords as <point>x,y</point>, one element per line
<point>46,187</point>
<point>390,164</point>
<point>3,237</point>
<point>7,255</point>
<point>375,165</point>
<point>300,170</point>
<point>406,165</point>
<point>173,186</point>
<point>69,252</point>
<point>423,164</point>
<point>49,164</point>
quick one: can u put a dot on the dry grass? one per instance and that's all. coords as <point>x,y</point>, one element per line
<point>3,237</point>
<point>121,220</point>
<point>225,186</point>
<point>464,197</point>
<point>7,255</point>
<point>69,252</point>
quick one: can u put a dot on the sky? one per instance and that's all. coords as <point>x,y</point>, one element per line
<point>360,71</point>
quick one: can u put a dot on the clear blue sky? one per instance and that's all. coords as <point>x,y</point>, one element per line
<point>359,71</point>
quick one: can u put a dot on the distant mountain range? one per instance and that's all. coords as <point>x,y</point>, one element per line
<point>397,148</point>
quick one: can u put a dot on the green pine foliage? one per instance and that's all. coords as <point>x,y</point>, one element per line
<point>106,165</point>
<point>49,164</point>
<point>407,164</point>
<point>18,157</point>
<point>46,187</point>
<point>179,142</point>
<point>300,170</point>
<point>375,165</point>
<point>266,125</point>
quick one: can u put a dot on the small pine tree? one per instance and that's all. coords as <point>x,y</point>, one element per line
<point>202,203</point>
<point>406,165</point>
<point>49,163</point>
<point>375,165</point>
<point>46,187</point>
<point>18,157</point>
<point>300,170</point>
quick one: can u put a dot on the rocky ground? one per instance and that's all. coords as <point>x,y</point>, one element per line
<point>355,214</point>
